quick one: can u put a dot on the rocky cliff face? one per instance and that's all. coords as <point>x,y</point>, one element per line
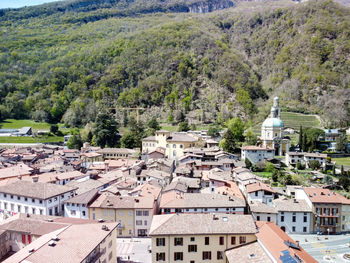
<point>203,7</point>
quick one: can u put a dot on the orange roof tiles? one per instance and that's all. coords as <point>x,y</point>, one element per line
<point>273,239</point>
<point>259,186</point>
<point>321,195</point>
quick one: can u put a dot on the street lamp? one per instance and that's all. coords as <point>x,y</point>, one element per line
<point>328,232</point>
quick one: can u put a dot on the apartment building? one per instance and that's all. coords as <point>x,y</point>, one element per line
<point>294,215</point>
<point>174,143</point>
<point>292,158</point>
<point>177,202</point>
<point>117,153</point>
<point>331,210</point>
<point>77,206</point>
<point>263,212</point>
<point>260,192</point>
<point>34,198</point>
<point>198,238</point>
<point>134,214</point>
<point>257,154</point>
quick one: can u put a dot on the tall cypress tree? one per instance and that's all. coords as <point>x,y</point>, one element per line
<point>300,137</point>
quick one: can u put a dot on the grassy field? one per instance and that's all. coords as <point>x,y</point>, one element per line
<point>43,139</point>
<point>16,124</point>
<point>342,161</point>
<point>295,120</point>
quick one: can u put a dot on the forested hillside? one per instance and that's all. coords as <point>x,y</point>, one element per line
<point>66,62</point>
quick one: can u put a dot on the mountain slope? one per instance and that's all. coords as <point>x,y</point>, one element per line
<point>208,67</point>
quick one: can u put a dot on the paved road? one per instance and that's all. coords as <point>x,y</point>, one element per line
<point>134,249</point>
<point>331,249</point>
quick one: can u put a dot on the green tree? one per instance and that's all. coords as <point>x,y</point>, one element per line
<point>342,142</point>
<point>105,130</point>
<point>275,175</point>
<point>328,179</point>
<point>133,138</point>
<point>183,126</point>
<point>54,128</point>
<point>269,167</point>
<point>153,126</point>
<point>214,130</point>
<point>129,140</point>
<point>314,164</point>
<point>75,142</point>
<point>248,163</point>
<point>342,170</point>
<point>236,126</point>
<point>344,181</point>
<point>300,142</point>
<point>228,143</point>
<point>250,137</point>
<point>300,166</point>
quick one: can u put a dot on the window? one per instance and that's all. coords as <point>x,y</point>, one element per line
<point>83,213</point>
<point>178,256</point>
<point>206,241</point>
<point>258,218</point>
<point>294,218</point>
<point>130,213</point>
<point>139,222</point>
<point>5,195</point>
<point>110,244</point>
<point>219,255</point>
<point>181,146</point>
<point>19,208</point>
<point>268,219</point>
<point>178,241</point>
<point>72,212</point>
<point>18,198</point>
<point>33,211</point>
<point>305,219</point>
<point>40,201</point>
<point>160,242</point>
<point>50,212</point>
<point>105,212</point>
<point>145,222</point>
<point>293,229</point>
<point>304,229</point>
<point>26,209</point>
<point>111,213</point>
<point>160,256</point>
<point>242,240</point>
<point>192,239</point>
<point>233,240</point>
<point>174,153</point>
<point>192,248</point>
<point>256,193</point>
<point>174,145</point>
<point>121,213</point>
<point>145,213</point>
<point>110,256</point>
<point>221,241</point>
<point>206,255</point>
<point>282,218</point>
<point>33,200</point>
<point>138,213</point>
<point>11,196</point>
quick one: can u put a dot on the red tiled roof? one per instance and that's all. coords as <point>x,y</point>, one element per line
<point>321,195</point>
<point>259,186</point>
<point>273,239</point>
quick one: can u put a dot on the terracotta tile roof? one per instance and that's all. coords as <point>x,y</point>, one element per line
<point>117,150</point>
<point>291,205</point>
<point>53,177</point>
<point>14,171</point>
<point>35,190</point>
<point>232,189</point>
<point>147,190</point>
<point>198,200</point>
<point>194,224</point>
<point>122,202</point>
<point>258,207</point>
<point>273,239</point>
<point>251,252</point>
<point>86,185</point>
<point>321,195</point>
<point>91,154</point>
<point>149,139</point>
<point>181,137</point>
<point>259,186</point>
<point>75,243</point>
<point>83,198</point>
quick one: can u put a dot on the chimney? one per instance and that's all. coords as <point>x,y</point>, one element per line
<point>19,177</point>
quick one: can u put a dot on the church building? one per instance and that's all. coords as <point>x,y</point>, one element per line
<point>272,135</point>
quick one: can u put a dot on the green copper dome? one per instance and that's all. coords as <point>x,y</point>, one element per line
<point>273,122</point>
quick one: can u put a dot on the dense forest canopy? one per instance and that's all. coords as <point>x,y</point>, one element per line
<point>68,61</point>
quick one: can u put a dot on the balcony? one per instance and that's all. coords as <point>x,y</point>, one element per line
<point>327,215</point>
